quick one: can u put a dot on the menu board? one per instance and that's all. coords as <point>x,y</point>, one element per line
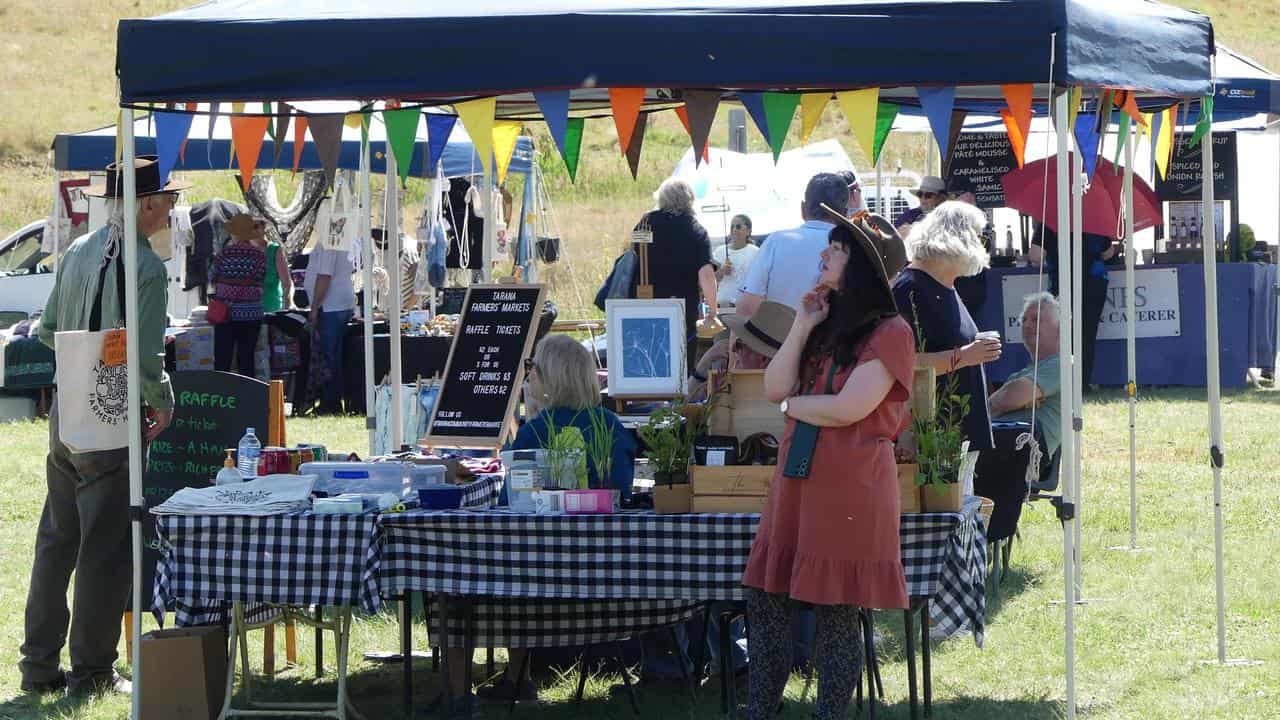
<point>210,413</point>
<point>977,163</point>
<point>1183,181</point>
<point>486,366</point>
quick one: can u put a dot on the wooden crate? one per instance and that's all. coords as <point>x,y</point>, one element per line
<point>728,503</point>
<point>730,488</point>
<point>743,410</point>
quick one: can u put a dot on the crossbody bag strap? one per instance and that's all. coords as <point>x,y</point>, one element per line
<point>95,313</point>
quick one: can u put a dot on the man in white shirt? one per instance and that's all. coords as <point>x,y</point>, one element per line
<point>733,260</point>
<point>333,302</point>
<point>787,266</point>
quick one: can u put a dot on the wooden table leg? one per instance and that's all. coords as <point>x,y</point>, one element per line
<point>909,633</point>
<point>406,650</point>
<point>319,643</point>
<point>269,650</point>
<point>290,642</point>
<point>925,659</point>
<point>128,637</point>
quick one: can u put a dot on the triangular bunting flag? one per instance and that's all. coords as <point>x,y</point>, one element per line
<point>1147,126</point>
<point>626,103</point>
<point>236,109</point>
<point>1073,105</point>
<point>573,146</point>
<point>353,120</point>
<point>279,131</point>
<point>780,109</point>
<point>860,108</point>
<point>754,103</point>
<point>299,140</point>
<point>248,132</point>
<point>505,133</point>
<point>700,111</point>
<point>554,105</point>
<point>1203,123</point>
<point>1019,99</point>
<point>1127,102</point>
<point>439,127</point>
<point>402,132</point>
<point>1122,137</point>
<point>937,104</point>
<point>266,110</point>
<point>957,125</point>
<point>811,107</point>
<point>682,112</point>
<point>182,149</point>
<point>326,131</point>
<point>1088,139</point>
<point>1017,136</point>
<point>213,120</point>
<point>171,133</point>
<point>477,118</point>
<point>886,113</point>
<point>637,139</point>
<point>1168,120</point>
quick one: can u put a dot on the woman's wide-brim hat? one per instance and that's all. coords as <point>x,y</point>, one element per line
<point>879,241</point>
<point>764,331</point>
<point>146,178</point>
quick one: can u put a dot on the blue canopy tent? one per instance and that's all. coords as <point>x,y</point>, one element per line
<point>239,50</point>
<point>93,149</point>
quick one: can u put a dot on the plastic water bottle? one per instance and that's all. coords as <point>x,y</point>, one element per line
<point>247,454</point>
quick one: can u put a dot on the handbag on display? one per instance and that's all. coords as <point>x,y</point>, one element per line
<point>217,312</point>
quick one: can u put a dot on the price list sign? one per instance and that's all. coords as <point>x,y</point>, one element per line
<point>486,366</point>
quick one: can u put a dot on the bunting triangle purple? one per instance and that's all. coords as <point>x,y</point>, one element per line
<point>171,132</point>
<point>554,105</point>
<point>439,127</point>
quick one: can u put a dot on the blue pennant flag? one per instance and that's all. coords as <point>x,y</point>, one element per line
<point>554,105</point>
<point>937,103</point>
<point>171,132</point>
<point>1087,139</point>
<point>754,103</point>
<point>439,128</point>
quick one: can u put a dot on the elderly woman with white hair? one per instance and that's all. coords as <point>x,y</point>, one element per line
<point>943,246</point>
<point>680,264</point>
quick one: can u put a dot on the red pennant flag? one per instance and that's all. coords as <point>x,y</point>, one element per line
<point>299,139</point>
<point>247,133</point>
<point>626,103</point>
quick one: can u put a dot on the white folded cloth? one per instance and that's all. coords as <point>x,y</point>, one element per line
<point>268,495</point>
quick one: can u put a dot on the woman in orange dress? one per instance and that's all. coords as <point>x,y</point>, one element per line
<point>830,539</point>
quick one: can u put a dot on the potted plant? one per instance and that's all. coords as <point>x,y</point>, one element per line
<point>941,451</point>
<point>600,451</point>
<point>668,438</point>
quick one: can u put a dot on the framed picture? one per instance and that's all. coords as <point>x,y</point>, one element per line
<point>646,341</point>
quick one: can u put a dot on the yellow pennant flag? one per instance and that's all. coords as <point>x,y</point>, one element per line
<point>1073,106</point>
<point>477,118</point>
<point>1164,143</point>
<point>859,107</point>
<point>505,133</point>
<point>811,107</point>
<point>353,120</point>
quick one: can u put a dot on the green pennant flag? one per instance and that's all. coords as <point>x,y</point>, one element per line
<point>886,113</point>
<point>1122,137</point>
<point>1205,122</point>
<point>779,109</point>
<point>402,132</point>
<point>573,145</point>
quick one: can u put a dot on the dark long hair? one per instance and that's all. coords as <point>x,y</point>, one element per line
<point>856,309</point>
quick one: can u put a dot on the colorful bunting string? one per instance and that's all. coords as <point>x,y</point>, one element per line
<point>1166,120</point>
<point>477,118</point>
<point>754,103</point>
<point>247,131</point>
<point>505,134</point>
<point>171,133</point>
<point>554,105</point>
<point>861,108</point>
<point>326,130</point>
<point>279,131</point>
<point>1122,137</point>
<point>299,140</point>
<point>699,113</point>
<point>811,107</point>
<point>937,104</point>
<point>780,110</point>
<point>439,128</point>
<point>626,104</point>
<point>683,113</point>
<point>886,113</point>
<point>402,135</point>
<point>573,146</point>
<point>1088,140</point>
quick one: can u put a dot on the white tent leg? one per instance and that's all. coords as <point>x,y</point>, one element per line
<point>391,232</point>
<point>366,271</point>
<point>1076,254</point>
<point>133,357</point>
<point>1067,469</point>
<point>1131,338</point>
<point>490,227</point>
<point>1212,383</point>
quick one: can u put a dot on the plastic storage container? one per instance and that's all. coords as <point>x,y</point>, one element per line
<point>336,478</point>
<point>525,472</point>
<point>421,476</point>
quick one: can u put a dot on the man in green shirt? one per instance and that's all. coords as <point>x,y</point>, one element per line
<point>85,523</point>
<point>1022,391</point>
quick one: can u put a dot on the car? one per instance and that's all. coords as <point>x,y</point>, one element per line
<point>26,274</point>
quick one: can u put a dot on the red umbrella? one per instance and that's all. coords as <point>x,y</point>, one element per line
<point>1031,190</point>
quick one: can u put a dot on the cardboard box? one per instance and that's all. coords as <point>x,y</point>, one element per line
<point>744,410</point>
<point>183,673</point>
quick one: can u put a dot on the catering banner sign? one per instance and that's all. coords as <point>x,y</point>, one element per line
<point>1159,313</point>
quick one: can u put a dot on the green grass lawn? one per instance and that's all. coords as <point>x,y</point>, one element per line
<point>1141,638</point>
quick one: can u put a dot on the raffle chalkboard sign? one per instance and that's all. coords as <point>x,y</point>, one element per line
<point>211,411</point>
<point>486,366</point>
<point>977,163</point>
<point>1183,181</point>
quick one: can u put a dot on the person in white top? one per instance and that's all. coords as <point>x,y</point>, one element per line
<point>732,259</point>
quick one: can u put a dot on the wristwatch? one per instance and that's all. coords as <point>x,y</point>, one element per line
<point>784,405</point>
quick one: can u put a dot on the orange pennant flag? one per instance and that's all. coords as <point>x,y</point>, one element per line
<point>1127,102</point>
<point>626,104</point>
<point>1019,99</point>
<point>683,113</point>
<point>1017,136</point>
<point>299,139</point>
<point>247,132</point>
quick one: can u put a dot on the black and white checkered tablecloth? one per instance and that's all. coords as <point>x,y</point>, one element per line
<point>304,559</point>
<point>595,578</point>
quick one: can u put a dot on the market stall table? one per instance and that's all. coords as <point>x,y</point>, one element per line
<point>585,579</point>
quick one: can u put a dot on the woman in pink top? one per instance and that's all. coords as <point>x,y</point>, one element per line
<point>831,539</point>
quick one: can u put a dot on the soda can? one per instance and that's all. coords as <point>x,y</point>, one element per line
<point>273,461</point>
<point>305,455</point>
<point>295,460</point>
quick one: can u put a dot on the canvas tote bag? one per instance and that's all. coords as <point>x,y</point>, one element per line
<point>93,400</point>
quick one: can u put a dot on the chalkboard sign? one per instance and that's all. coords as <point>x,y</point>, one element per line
<point>486,366</point>
<point>1183,181</point>
<point>451,299</point>
<point>211,411</point>
<point>976,165</point>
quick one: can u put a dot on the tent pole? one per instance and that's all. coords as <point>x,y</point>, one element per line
<point>1213,380</point>
<point>490,227</point>
<point>1067,470</point>
<point>133,356</point>
<point>1077,348</point>
<point>881,209</point>
<point>391,232</point>
<point>366,272</point>
<point>1131,337</point>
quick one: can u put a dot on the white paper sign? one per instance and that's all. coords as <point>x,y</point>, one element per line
<point>1159,313</point>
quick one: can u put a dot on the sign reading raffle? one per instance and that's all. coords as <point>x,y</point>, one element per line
<point>1183,181</point>
<point>977,163</point>
<point>1159,313</point>
<point>486,365</point>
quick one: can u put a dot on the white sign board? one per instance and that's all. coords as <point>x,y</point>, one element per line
<point>1159,313</point>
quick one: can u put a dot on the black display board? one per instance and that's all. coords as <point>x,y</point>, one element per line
<point>977,163</point>
<point>486,365</point>
<point>210,413</point>
<point>1183,181</point>
<point>451,299</point>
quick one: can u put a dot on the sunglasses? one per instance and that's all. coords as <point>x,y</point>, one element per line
<point>738,226</point>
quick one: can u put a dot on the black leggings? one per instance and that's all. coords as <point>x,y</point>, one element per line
<point>239,340</point>
<point>837,654</point>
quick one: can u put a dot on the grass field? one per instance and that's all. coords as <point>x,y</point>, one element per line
<point>1141,638</point>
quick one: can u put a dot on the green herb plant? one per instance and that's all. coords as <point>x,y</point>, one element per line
<point>940,442</point>
<point>668,438</point>
<point>566,448</point>
<point>600,446</point>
